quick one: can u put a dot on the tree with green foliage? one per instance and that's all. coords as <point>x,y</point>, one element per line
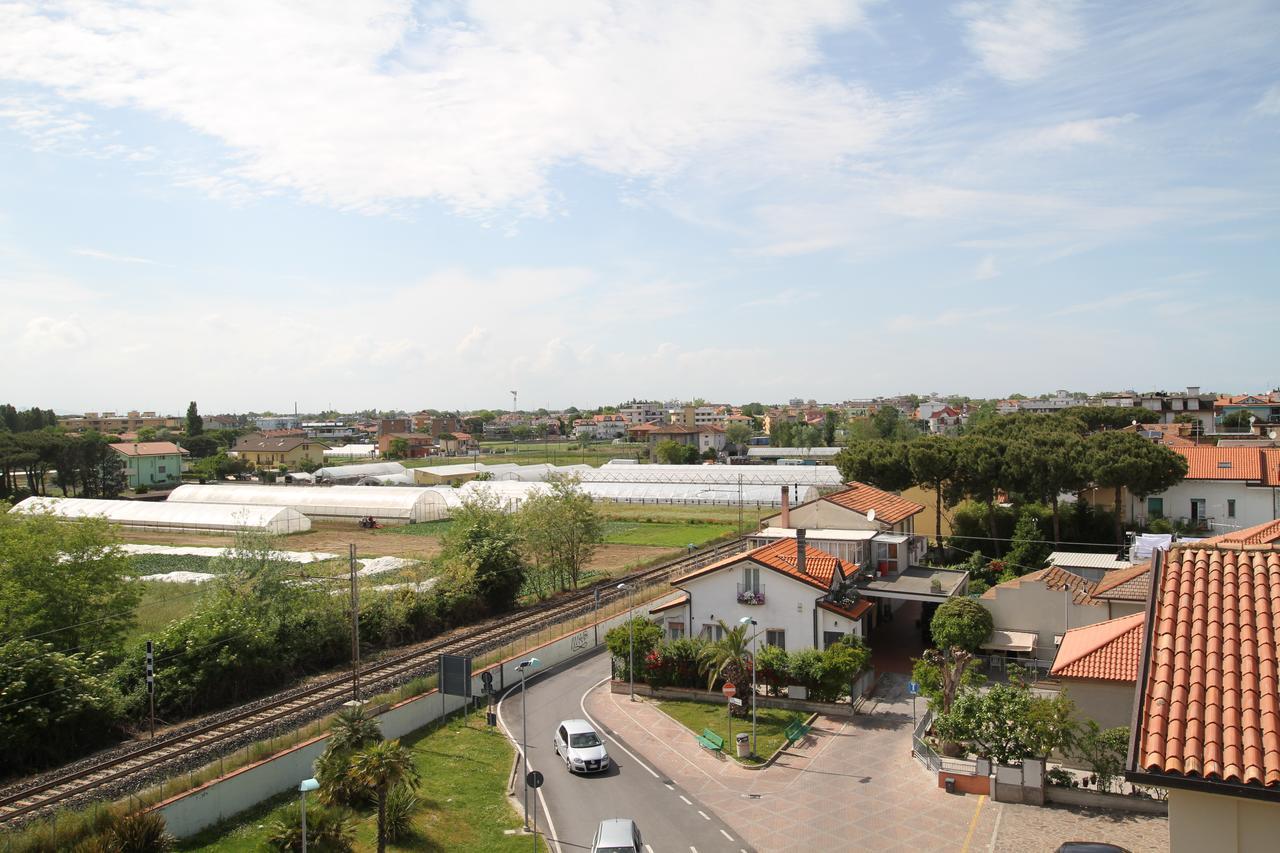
<point>219,466</point>
<point>329,830</point>
<point>932,460</point>
<point>737,434</point>
<point>728,659</point>
<point>398,448</point>
<point>482,545</point>
<point>1028,550</point>
<point>195,423</point>
<point>1240,420</point>
<point>1104,750</point>
<point>1046,463</point>
<point>883,464</point>
<point>200,446</point>
<point>1006,723</point>
<point>352,730</point>
<point>1125,460</point>
<point>782,433</point>
<point>674,453</point>
<point>67,583</point>
<point>960,623</point>
<point>941,673</point>
<point>1098,418</point>
<point>381,767</point>
<point>889,423</point>
<point>633,639</point>
<point>979,475</point>
<point>560,531</point>
<point>830,422</point>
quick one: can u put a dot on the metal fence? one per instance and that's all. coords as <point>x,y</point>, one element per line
<point>930,758</point>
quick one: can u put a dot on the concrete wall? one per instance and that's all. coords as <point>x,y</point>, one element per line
<point>190,812</point>
<point>1199,822</point>
<point>789,604</point>
<point>1031,606</point>
<point>1099,800</point>
<point>1107,703</point>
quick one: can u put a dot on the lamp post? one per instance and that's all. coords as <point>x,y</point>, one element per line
<point>531,663</point>
<point>631,642</point>
<point>747,620</point>
<point>303,787</point>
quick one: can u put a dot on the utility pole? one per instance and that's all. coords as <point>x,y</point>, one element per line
<point>355,626</point>
<point>151,685</point>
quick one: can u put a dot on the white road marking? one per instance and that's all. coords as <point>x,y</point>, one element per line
<point>705,816</point>
<point>669,787</point>
<point>687,801</point>
<point>647,847</point>
<point>553,837</point>
<point>726,835</point>
<point>582,703</point>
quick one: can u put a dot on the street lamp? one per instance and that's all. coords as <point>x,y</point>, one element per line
<point>747,620</point>
<point>531,663</point>
<point>631,642</point>
<point>303,787</point>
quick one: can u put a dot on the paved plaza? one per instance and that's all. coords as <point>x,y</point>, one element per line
<point>852,784</point>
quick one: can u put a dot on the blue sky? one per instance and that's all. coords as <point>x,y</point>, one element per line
<point>388,204</point>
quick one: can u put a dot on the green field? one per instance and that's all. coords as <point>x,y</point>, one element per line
<point>160,564</point>
<point>673,533</point>
<point>161,604</point>
<point>696,716</point>
<point>464,784</point>
<point>536,453</point>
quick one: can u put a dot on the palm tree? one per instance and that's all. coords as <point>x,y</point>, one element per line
<point>728,657</point>
<point>379,768</point>
<point>353,729</point>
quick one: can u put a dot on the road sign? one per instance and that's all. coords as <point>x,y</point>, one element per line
<point>455,675</point>
<point>534,779</point>
<point>913,687</point>
<point>729,690</point>
<point>486,680</point>
<point>733,701</point>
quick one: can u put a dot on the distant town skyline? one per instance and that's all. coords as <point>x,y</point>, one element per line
<point>392,201</point>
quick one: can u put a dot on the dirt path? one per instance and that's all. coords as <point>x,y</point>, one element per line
<point>379,543</point>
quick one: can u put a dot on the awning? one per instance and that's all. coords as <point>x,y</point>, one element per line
<point>1011,641</point>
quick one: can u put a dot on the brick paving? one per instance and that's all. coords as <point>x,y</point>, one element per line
<point>853,785</point>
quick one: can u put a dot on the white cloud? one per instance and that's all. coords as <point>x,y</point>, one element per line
<point>108,256</point>
<point>942,320</point>
<point>1070,134</point>
<point>1020,40</point>
<point>1119,300</point>
<point>49,333</point>
<point>1269,103</point>
<point>372,104</point>
<point>986,269</point>
<point>473,340</point>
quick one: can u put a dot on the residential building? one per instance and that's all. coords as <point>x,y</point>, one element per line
<point>332,430</point>
<point>1226,488</point>
<point>601,427</point>
<point>1207,718</point>
<point>110,422</point>
<point>153,464</point>
<point>1125,591</point>
<point>1098,668</point>
<point>643,412</point>
<point>276,422</point>
<point>436,425</point>
<point>702,437</point>
<point>393,425</point>
<point>692,416</point>
<point>456,442</point>
<point>266,451</point>
<point>1087,565</point>
<point>1192,404</point>
<point>215,422</point>
<point>1059,401</point>
<point>856,507</point>
<point>420,444</point>
<point>1030,614</point>
<point>1265,408</point>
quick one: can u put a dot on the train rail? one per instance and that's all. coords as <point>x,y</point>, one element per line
<point>150,762</point>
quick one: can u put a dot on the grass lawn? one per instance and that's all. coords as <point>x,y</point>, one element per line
<point>696,716</point>
<point>161,604</point>
<point>464,785</point>
<point>672,534</point>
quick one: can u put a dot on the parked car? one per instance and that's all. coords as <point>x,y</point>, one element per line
<point>618,835</point>
<point>581,748</point>
<point>1089,847</point>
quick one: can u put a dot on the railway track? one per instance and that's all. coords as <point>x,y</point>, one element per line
<point>148,763</point>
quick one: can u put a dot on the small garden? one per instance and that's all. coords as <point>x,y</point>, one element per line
<point>770,724</point>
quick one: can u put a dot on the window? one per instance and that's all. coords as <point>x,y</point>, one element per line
<point>776,637</point>
<point>1155,507</point>
<point>160,468</point>
<point>751,578</point>
<point>675,630</point>
<point>830,638</point>
<point>1197,509</point>
<point>711,632</point>
<point>1231,507</point>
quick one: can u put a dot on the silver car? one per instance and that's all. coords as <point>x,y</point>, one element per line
<point>619,835</point>
<point>580,747</point>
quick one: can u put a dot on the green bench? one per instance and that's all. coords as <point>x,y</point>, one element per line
<point>796,730</point>
<point>710,740</point>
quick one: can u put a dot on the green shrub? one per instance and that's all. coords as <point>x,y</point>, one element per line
<point>647,635</point>
<point>402,805</point>
<point>140,489</point>
<point>329,830</point>
<point>773,668</point>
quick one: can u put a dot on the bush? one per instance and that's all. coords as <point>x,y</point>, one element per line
<point>673,663</point>
<point>329,830</point>
<point>647,637</point>
<point>402,805</point>
<point>140,490</point>
<point>960,622</point>
<point>773,668</point>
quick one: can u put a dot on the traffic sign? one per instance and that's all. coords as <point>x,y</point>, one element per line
<point>534,779</point>
<point>733,701</point>
<point>729,690</point>
<point>486,680</point>
<point>913,687</point>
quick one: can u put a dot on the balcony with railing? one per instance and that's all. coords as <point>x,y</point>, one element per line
<point>751,595</point>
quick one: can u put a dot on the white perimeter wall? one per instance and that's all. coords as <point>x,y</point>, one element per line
<point>222,798</point>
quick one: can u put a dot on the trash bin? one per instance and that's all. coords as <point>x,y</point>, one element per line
<point>950,784</point>
<point>744,745</point>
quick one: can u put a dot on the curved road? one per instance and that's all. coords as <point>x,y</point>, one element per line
<point>669,819</point>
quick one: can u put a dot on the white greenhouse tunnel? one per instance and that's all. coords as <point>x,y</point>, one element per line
<point>166,516</point>
<point>387,505</point>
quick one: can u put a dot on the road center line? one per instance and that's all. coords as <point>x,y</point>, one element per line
<point>726,835</point>
<point>553,837</point>
<point>705,816</point>
<point>687,801</point>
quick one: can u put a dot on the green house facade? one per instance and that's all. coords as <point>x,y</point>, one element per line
<point>154,464</point>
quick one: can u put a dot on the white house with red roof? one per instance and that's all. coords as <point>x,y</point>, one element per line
<point>1226,488</point>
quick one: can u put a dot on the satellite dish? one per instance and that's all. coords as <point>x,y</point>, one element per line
<point>1272,435</point>
<point>871,515</point>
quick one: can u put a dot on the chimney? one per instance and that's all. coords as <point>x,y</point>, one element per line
<point>800,548</point>
<point>786,506</point>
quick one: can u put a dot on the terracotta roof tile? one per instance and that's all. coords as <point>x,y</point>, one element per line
<point>1209,698</point>
<point>860,497</point>
<point>147,448</point>
<point>856,612</point>
<point>1131,584</point>
<point>1222,463</point>
<point>1271,466</point>
<point>1053,578</point>
<point>781,556</point>
<point>1107,651</point>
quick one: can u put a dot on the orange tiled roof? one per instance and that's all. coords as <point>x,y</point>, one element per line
<point>147,448</point>
<point>856,612</point>
<point>1054,578</point>
<point>1209,698</point>
<point>1131,584</point>
<point>1261,534</point>
<point>860,497</point>
<point>1107,651</point>
<point>1222,463</point>
<point>781,556</point>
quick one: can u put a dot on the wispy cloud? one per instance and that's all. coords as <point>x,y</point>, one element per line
<point>108,256</point>
<point>1070,134</point>
<point>986,269</point>
<point>1019,40</point>
<point>782,298</point>
<point>1269,103</point>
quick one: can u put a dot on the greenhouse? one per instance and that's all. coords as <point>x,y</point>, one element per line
<point>167,516</point>
<point>354,473</point>
<point>822,476</point>
<point>351,451</point>
<point>513,493</point>
<point>387,504</point>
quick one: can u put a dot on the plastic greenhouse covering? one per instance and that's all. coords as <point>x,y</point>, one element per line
<point>355,472</point>
<point>387,504</point>
<point>351,450</point>
<point>513,493</point>
<point>139,515</point>
<point>827,476</point>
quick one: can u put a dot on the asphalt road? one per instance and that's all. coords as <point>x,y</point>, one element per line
<point>669,818</point>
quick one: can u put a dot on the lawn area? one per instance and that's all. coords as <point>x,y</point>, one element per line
<point>696,716</point>
<point>161,604</point>
<point>672,534</point>
<point>464,785</point>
